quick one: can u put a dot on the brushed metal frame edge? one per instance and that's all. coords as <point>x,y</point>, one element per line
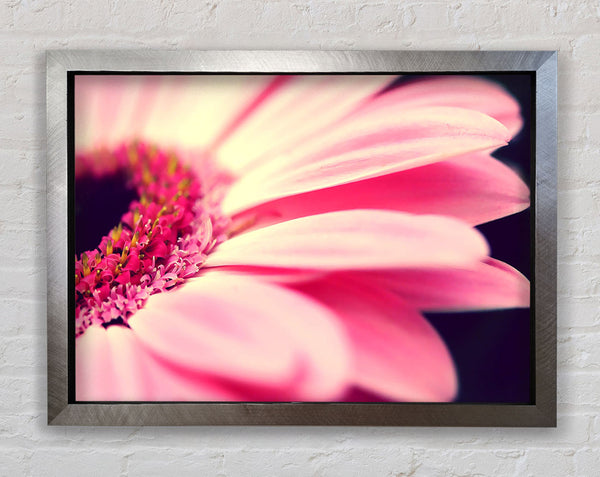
<point>540,414</point>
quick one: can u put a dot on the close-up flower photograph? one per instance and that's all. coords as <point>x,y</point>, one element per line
<point>302,238</point>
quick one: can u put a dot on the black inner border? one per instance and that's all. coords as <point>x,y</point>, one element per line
<point>71,224</point>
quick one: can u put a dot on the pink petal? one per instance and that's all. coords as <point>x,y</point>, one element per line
<point>107,366</point>
<point>397,353</point>
<point>368,146</point>
<point>475,188</point>
<point>455,91</point>
<point>355,239</point>
<point>183,111</point>
<point>490,285</point>
<point>249,109</point>
<point>93,380</point>
<point>112,365</point>
<point>257,334</point>
<point>98,100</point>
<point>195,110</point>
<point>303,106</point>
<point>171,383</point>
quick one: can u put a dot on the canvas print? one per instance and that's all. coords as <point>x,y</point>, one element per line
<point>278,238</point>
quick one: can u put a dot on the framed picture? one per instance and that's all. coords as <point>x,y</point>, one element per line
<point>301,238</point>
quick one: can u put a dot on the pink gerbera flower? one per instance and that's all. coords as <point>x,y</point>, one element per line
<point>285,234</point>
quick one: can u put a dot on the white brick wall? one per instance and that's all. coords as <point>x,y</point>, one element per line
<point>29,447</point>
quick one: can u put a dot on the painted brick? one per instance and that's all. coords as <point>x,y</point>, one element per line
<point>587,461</point>
<point>458,462</point>
<point>190,462</point>
<point>578,351</point>
<point>93,463</point>
<point>542,461</point>
<point>579,388</point>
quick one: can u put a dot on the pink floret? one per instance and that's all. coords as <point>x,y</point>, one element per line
<point>162,240</point>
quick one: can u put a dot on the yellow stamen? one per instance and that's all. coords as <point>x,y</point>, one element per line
<point>147,177</point>
<point>132,155</point>
<point>172,166</point>
<point>84,262</point>
<point>152,228</point>
<point>184,183</point>
<point>135,238</point>
<point>124,254</point>
<point>116,232</point>
<point>136,216</point>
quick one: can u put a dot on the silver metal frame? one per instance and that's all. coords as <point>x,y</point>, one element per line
<point>542,413</point>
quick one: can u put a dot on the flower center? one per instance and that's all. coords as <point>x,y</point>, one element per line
<point>170,225</point>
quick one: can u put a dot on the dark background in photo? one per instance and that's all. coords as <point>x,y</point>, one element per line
<point>492,350</point>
